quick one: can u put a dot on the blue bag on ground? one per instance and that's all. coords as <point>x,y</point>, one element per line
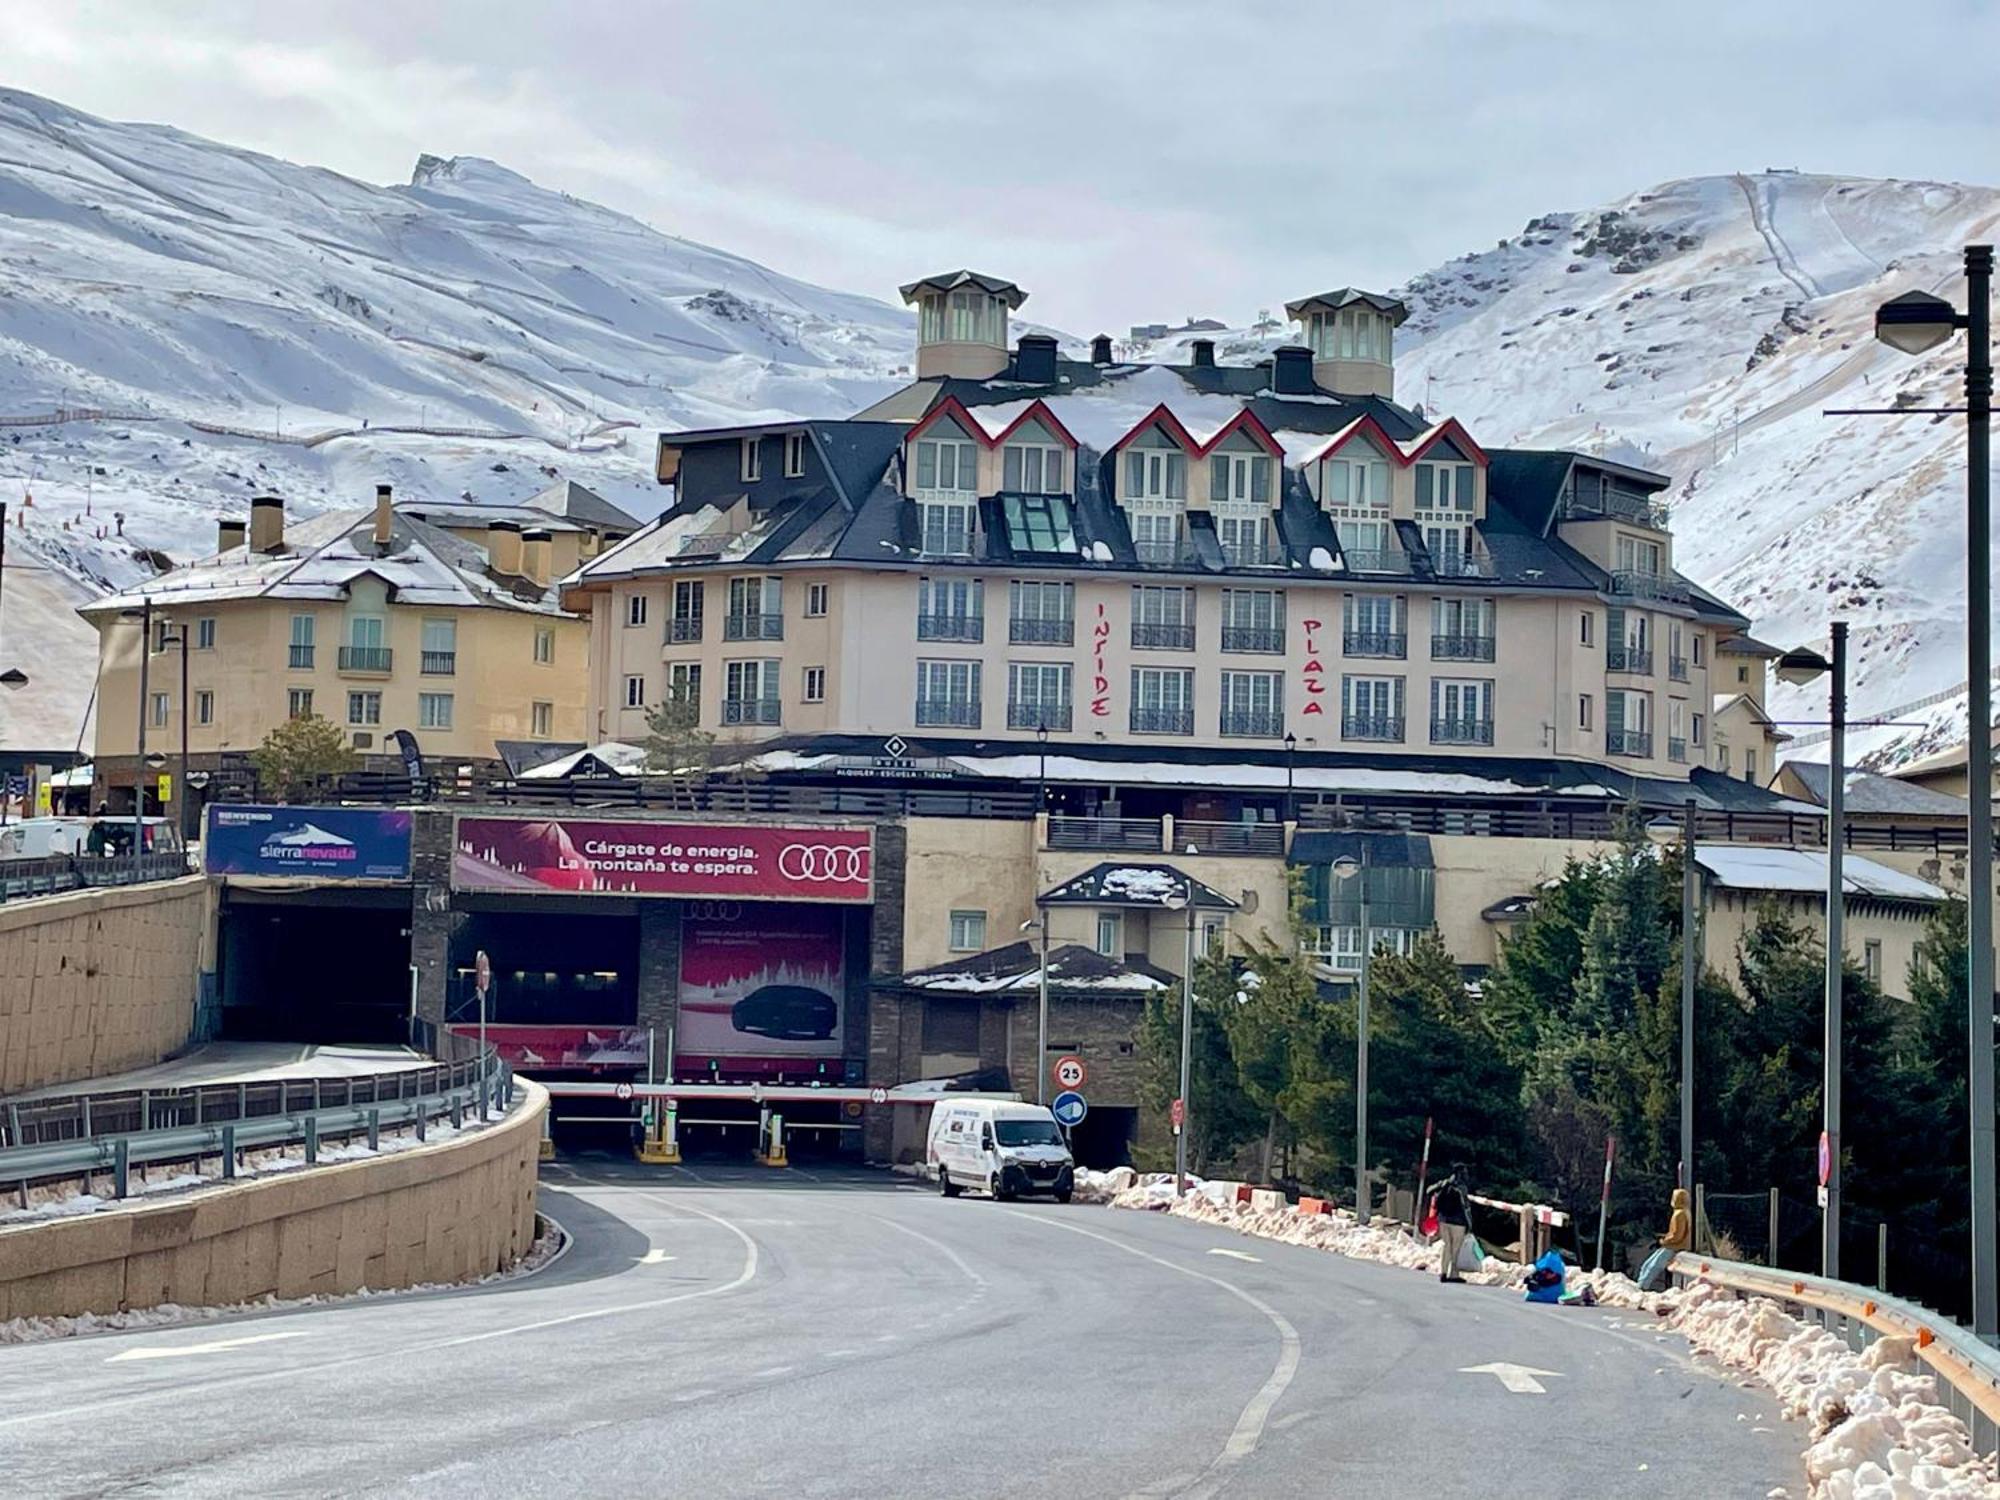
<point>1545,1282</point>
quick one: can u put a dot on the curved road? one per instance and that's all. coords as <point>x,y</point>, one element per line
<point>733,1332</point>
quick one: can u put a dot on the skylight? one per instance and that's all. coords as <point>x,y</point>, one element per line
<point>1039,523</point>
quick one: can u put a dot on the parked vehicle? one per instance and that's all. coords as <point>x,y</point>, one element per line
<point>1000,1147</point>
<point>51,838</point>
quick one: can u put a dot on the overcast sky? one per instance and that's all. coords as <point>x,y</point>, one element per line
<point>1124,160</point>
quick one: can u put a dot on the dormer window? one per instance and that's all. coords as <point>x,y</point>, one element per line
<point>1239,476</point>
<point>1356,481</point>
<point>947,464</point>
<point>1155,474</point>
<point>1446,486</point>
<point>1032,469</point>
<point>753,461</point>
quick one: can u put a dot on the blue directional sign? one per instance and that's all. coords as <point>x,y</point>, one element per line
<point>1069,1109</point>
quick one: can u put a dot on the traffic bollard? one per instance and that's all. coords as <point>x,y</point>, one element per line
<point>1882,1256</point>
<point>420,1124</point>
<point>374,1130</point>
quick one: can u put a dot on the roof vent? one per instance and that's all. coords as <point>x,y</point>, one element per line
<point>267,524</point>
<point>1035,359</point>
<point>384,520</point>
<point>537,556</point>
<point>503,548</point>
<point>1100,349</point>
<point>229,534</point>
<point>1292,370</point>
<point>1203,351</point>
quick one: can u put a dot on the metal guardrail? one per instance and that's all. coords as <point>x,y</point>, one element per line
<point>21,878</point>
<point>1967,1369</point>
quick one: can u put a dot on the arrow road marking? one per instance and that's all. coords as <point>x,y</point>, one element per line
<point>175,1351</point>
<point>1519,1379</point>
<point>1235,1255</point>
<point>654,1258</point>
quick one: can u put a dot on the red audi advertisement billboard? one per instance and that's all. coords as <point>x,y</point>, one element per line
<point>584,856</point>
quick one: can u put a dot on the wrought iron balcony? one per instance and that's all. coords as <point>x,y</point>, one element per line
<point>375,659</point>
<point>1635,659</point>
<point>1163,554</point>
<point>1251,554</point>
<point>439,663</point>
<point>943,627</point>
<point>1375,643</point>
<point>1054,717</point>
<point>1264,638</point>
<point>1638,584</point>
<point>1677,668</point>
<point>1633,742</point>
<point>1261,723</point>
<point>749,710</point>
<point>1371,727</point>
<point>1461,731</point>
<point>947,713</point>
<point>1162,721</point>
<point>1161,637</point>
<point>1677,749</point>
<point>301,657</point>
<point>1040,632</point>
<point>684,628</point>
<point>1462,565</point>
<point>753,627</point>
<point>1376,559</point>
<point>1461,648</point>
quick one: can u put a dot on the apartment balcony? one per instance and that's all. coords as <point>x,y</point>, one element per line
<point>1269,639</point>
<point>1266,723</point>
<point>1677,750</point>
<point>684,628</point>
<point>1456,565</point>
<point>947,713</point>
<point>1163,554</point>
<point>1677,668</point>
<point>1375,559</point>
<point>1251,555</point>
<point>366,661</point>
<point>1385,728</point>
<point>1040,632</point>
<point>749,710</point>
<point>1635,659</point>
<point>1461,648</point>
<point>301,658</point>
<point>1054,717</point>
<point>439,663</point>
<point>1636,584</point>
<point>1634,742</point>
<point>753,627</point>
<point>1163,721</point>
<point>936,627</point>
<point>1461,731</point>
<point>1392,644</point>
<point>1162,637</point>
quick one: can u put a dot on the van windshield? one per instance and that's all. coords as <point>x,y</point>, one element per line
<point>1027,1133</point>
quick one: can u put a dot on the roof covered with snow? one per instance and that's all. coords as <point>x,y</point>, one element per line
<point>611,758</point>
<point>1868,793</point>
<point>1122,883</point>
<point>1763,867</point>
<point>1074,970</point>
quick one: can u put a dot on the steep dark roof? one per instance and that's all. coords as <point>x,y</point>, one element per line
<point>945,281</point>
<point>1867,793</point>
<point>1129,883</point>
<point>1347,296</point>
<point>1074,970</point>
<point>579,503</point>
<point>1746,645</point>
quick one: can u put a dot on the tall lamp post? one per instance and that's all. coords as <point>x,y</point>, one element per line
<point>1176,902</point>
<point>1663,831</point>
<point>11,678</point>
<point>1291,800</point>
<point>1040,922</point>
<point>1347,867</point>
<point>1798,668</point>
<point>1916,322</point>
<point>177,635</point>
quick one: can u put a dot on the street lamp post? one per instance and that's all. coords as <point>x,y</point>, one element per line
<point>1042,767</point>
<point>1187,1039</point>
<point>145,695</point>
<point>1347,867</point>
<point>1662,830</point>
<point>1291,800</point>
<point>1040,922</point>
<point>10,677</point>
<point>1799,668</point>
<point>1913,323</point>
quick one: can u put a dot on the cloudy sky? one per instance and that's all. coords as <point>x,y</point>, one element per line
<point>1125,160</point>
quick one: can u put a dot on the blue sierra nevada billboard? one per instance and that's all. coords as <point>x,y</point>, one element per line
<point>322,843</point>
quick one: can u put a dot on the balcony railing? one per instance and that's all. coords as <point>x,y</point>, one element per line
<point>1204,836</point>
<point>1250,554</point>
<point>1375,643</point>
<point>1641,585</point>
<point>440,663</point>
<point>365,658</point>
<point>1636,659</point>
<point>937,627</point>
<point>1078,831</point>
<point>301,657</point>
<point>1164,554</point>
<point>1371,727</point>
<point>947,713</point>
<point>1040,632</point>
<point>1462,565</point>
<point>1635,742</point>
<point>749,710</point>
<point>1677,749</point>
<point>1163,637</point>
<point>1267,638</point>
<point>1054,717</point>
<point>1376,559</point>
<point>753,627</point>
<point>1262,723</point>
<point>1163,721</point>
<point>1461,648</point>
<point>1677,668</point>
<point>1461,731</point>
<point>684,628</point>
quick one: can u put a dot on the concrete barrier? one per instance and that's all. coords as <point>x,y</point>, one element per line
<point>445,1212</point>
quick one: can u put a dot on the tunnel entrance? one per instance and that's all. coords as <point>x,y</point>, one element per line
<point>315,965</point>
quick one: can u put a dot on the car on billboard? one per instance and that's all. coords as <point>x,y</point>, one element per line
<point>793,1012</point>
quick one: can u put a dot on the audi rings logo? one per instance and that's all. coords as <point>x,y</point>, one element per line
<point>821,863</point>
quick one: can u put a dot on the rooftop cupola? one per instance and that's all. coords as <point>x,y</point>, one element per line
<point>1352,337</point>
<point>962,323</point>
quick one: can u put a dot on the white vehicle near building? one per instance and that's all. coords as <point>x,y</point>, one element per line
<point>1000,1147</point>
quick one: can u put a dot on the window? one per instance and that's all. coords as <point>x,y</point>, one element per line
<point>1244,532</point>
<point>1038,695</point>
<point>1039,523</point>
<point>1375,625</point>
<point>689,595</point>
<point>204,633</point>
<point>795,454</point>
<point>1162,700</point>
<point>159,710</point>
<point>964,317</point>
<point>815,600</point>
<point>968,931</point>
<point>1371,708</point>
<point>1462,629</point>
<point>1032,469</point>
<point>684,682</point>
<point>750,692</point>
<point>756,610</point>
<point>1163,618</point>
<point>364,708</point>
<point>1446,487</point>
<point>545,645</point>
<point>635,692</point>
<point>814,687</point>
<point>1253,620</point>
<point>1722,757</point>
<point>1742,674</point>
<point>947,528</point>
<point>1041,613</point>
<point>1628,723</point>
<point>635,609</point>
<point>1111,934</point>
<point>434,710</point>
<point>1586,629</point>
<point>302,642</point>
<point>752,460</point>
<point>440,643</point>
<point>1369,546</point>
<point>542,719</point>
<point>1695,729</point>
<point>1636,556</point>
<point>1155,474</point>
<point>1450,548</point>
<point>299,703</point>
<point>1253,703</point>
<point>948,694</point>
<point>1583,711</point>
<point>1698,648</point>
<point>1871,959</point>
<point>204,708</point>
<point>1750,765</point>
<point>951,609</point>
<point>1240,477</point>
<point>1156,531</point>
<point>1628,641</point>
<point>365,632</point>
<point>1358,482</point>
<point>1461,711</point>
<point>949,465</point>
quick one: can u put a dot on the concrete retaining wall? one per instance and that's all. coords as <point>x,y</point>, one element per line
<point>439,1213</point>
<point>98,981</point>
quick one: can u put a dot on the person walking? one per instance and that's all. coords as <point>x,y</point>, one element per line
<point>1453,1223</point>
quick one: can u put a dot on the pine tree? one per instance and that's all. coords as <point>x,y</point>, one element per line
<point>1220,1118</point>
<point>299,754</point>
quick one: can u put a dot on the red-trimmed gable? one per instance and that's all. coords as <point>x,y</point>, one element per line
<point>1247,421</point>
<point>1391,449</point>
<point>954,408</point>
<point>1039,411</point>
<point>1161,416</point>
<point>1461,439</point>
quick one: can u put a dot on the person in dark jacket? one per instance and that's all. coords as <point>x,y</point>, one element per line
<point>1453,1223</point>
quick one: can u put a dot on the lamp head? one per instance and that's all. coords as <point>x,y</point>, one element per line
<point>1663,830</point>
<point>1802,666</point>
<point>1915,322</point>
<point>13,677</point>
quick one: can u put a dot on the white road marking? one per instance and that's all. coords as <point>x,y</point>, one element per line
<point>774,1372</point>
<point>938,1245</point>
<point>654,1258</point>
<point>215,1346</point>
<point>694,1395</point>
<point>1520,1379</point>
<point>1249,1429</point>
<point>1236,1255</point>
<point>838,1354</point>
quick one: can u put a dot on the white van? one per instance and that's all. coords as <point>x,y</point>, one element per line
<point>44,838</point>
<point>1001,1147</point>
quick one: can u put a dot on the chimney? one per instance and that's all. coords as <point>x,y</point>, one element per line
<point>538,554</point>
<point>229,535</point>
<point>1292,371</point>
<point>503,548</point>
<point>267,524</point>
<point>1035,359</point>
<point>384,520</point>
<point>1100,349</point>
<point>1203,351</point>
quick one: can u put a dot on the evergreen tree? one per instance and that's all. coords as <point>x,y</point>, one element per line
<point>299,754</point>
<point>1220,1117</point>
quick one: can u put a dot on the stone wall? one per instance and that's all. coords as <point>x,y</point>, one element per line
<point>97,981</point>
<point>445,1212</point>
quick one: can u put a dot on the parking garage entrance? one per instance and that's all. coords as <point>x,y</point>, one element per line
<point>320,964</point>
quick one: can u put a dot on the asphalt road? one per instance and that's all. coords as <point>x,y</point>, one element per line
<point>734,1331</point>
